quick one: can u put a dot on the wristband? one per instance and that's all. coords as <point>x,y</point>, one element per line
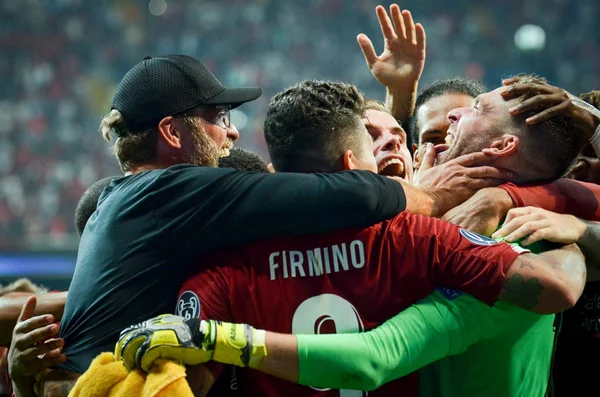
<point>239,344</point>
<point>595,140</point>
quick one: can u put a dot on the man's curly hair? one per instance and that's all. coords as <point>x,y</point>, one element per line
<point>592,97</point>
<point>310,125</point>
<point>243,160</point>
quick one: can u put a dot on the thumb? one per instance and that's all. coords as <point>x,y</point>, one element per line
<point>429,158</point>
<point>367,49</point>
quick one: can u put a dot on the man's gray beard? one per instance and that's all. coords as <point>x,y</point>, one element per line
<point>205,151</point>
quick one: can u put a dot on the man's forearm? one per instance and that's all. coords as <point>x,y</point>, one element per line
<point>570,265</point>
<point>362,361</point>
<point>310,203</point>
<point>546,283</point>
<point>366,361</point>
<point>564,196</point>
<point>419,202</point>
<point>401,102</point>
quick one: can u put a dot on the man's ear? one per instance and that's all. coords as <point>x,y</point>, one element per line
<point>415,147</point>
<point>350,161</point>
<point>168,132</point>
<point>417,157</point>
<point>505,146</point>
<point>271,168</point>
<point>580,171</point>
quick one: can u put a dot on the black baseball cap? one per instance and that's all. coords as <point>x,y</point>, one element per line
<point>162,86</point>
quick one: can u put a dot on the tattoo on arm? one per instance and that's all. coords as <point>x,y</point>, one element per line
<point>523,293</point>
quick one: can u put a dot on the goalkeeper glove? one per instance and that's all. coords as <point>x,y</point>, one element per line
<point>189,341</point>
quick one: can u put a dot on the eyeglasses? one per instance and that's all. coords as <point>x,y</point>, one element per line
<point>219,115</point>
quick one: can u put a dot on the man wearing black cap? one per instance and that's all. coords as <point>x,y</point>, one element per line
<point>171,118</point>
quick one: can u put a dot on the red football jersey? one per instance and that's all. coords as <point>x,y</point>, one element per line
<point>347,281</point>
<point>564,196</point>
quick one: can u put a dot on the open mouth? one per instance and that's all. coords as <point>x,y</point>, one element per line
<point>224,152</point>
<point>440,151</point>
<point>392,167</point>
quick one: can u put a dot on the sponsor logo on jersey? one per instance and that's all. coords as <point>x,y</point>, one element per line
<point>188,305</point>
<point>477,238</point>
<point>449,293</point>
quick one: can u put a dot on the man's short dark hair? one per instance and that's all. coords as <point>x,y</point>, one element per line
<point>549,149</point>
<point>243,160</point>
<point>310,125</point>
<point>88,202</point>
<point>458,85</point>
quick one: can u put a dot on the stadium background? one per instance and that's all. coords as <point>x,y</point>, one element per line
<point>60,61</point>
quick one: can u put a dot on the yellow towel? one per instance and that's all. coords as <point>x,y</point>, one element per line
<point>107,377</point>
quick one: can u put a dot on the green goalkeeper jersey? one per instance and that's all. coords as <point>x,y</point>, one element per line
<point>499,351</point>
<point>513,357</point>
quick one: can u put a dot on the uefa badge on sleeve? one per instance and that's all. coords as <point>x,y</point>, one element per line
<point>477,238</point>
<point>188,305</point>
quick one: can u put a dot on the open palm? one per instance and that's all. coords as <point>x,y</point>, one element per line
<point>403,58</point>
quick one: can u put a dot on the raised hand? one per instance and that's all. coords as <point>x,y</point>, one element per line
<point>33,349</point>
<point>401,63</point>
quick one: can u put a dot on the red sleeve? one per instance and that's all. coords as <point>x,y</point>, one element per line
<point>205,296</point>
<point>564,196</point>
<point>454,257</point>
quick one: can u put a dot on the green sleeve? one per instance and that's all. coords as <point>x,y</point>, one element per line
<point>425,332</point>
<point>437,326</point>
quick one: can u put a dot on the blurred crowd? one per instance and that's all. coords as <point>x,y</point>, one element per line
<point>61,60</point>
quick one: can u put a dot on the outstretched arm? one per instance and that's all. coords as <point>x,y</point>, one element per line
<point>437,326</point>
<point>309,203</point>
<point>421,334</point>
